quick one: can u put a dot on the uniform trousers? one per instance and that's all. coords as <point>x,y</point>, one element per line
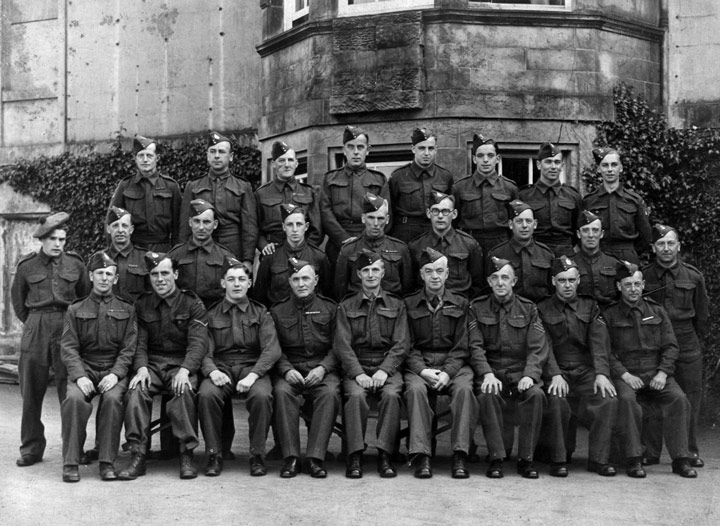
<point>463,409</point>
<point>325,398</point>
<point>259,403</point>
<point>182,410</point>
<point>75,412</point>
<point>39,351</point>
<point>356,408</point>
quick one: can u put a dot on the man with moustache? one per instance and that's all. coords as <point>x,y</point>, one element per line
<point>172,341</point>
<point>623,212</point>
<point>46,282</point>
<point>482,197</point>
<point>152,198</point>
<point>508,349</point>
<point>306,371</point>
<point>643,355</point>
<point>243,348</point>
<point>132,275</point>
<point>556,205</point>
<point>232,198</point>
<point>98,345</point>
<point>371,343</point>
<point>597,269</point>
<point>411,186</point>
<point>284,188</point>
<point>398,277</point>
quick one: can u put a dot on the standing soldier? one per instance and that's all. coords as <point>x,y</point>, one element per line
<point>285,189</point>
<point>45,283</point>
<point>395,253</point>
<point>233,200</point>
<point>643,355</point>
<point>172,341</point>
<point>371,344</point>
<point>623,212</point>
<point>579,369</point>
<point>411,187</point>
<point>200,259</point>
<point>465,257</point>
<point>597,269</point>
<point>556,205</point>
<point>132,275</point>
<point>508,350</point>
<point>530,259</point>
<point>482,197</point>
<point>307,370</point>
<point>98,345</point>
<point>680,288</point>
<point>438,364</point>
<point>243,349</point>
<point>152,198</point>
<point>343,191</point>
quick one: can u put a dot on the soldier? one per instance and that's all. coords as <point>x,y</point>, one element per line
<point>579,369</point>
<point>395,253</point>
<point>556,205</point>
<point>508,349</point>
<point>233,200</point>
<point>307,370</point>
<point>597,269</point>
<point>45,283</point>
<point>531,260</point>
<point>98,345</point>
<point>152,198</point>
<point>132,274</point>
<point>285,189</point>
<point>411,186</point>
<point>680,288</point>
<point>371,344</point>
<point>482,197</point>
<point>172,341</point>
<point>465,257</point>
<point>644,351</point>
<point>623,212</point>
<point>438,364</point>
<point>243,349</point>
<point>272,283</point>
<point>343,191</point>
<point>200,259</point>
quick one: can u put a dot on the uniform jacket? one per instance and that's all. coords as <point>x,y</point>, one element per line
<point>532,265</point>
<point>200,268</point>
<point>597,276</point>
<point>131,271</point>
<point>411,187</point>
<point>482,203</point>
<point>556,209</point>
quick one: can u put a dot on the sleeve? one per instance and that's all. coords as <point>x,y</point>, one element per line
<point>175,211</point>
<point>644,230</point>
<point>537,347</point>
<point>385,192</point>
<point>599,343</point>
<point>197,337</point>
<point>70,348</point>
<point>414,361</point>
<point>125,357</point>
<point>118,198</point>
<point>407,279</point>
<point>270,346</point>
<point>18,293</point>
<point>184,226</point>
<point>315,234</point>
<point>476,342</point>
<point>343,345</point>
<point>477,270</point>
<point>208,361</point>
<point>342,278</point>
<point>261,283</point>
<point>701,301</point>
<point>325,281</point>
<point>249,227</point>
<point>551,367</point>
<point>330,362</point>
<point>459,353</point>
<point>83,287</point>
<point>670,350</point>
<point>141,355</point>
<point>396,355</point>
<point>283,365</point>
<point>330,224</point>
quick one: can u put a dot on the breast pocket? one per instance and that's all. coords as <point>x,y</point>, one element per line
<point>251,332</point>
<point>625,221</point>
<point>39,288</point>
<point>518,330</point>
<point>220,330</point>
<point>683,295</point>
<point>339,194</point>
<point>499,212</point>
<point>386,320</point>
<point>67,283</point>
<point>87,328</point>
<point>458,262</point>
<point>322,327</point>
<point>288,330</point>
<point>410,197</point>
<point>117,325</point>
<point>392,266</point>
<point>358,322</point>
<point>163,203</point>
<point>470,205</point>
<point>651,331</point>
<point>135,202</point>
<point>566,209</point>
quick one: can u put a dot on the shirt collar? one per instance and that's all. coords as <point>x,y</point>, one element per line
<point>207,245</point>
<point>280,185</point>
<point>543,187</point>
<point>100,299</point>
<point>517,247</point>
<point>242,305</point>
<point>490,179</point>
<point>113,252</point>
<point>157,300</point>
<point>418,170</point>
<point>449,235</point>
<point>139,177</point>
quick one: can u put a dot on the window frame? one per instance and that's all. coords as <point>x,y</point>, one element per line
<point>489,4</point>
<point>290,16</point>
<point>381,6</point>
<point>526,151</point>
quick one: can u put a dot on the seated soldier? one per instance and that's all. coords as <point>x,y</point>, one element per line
<point>438,363</point>
<point>307,369</point>
<point>371,344</point>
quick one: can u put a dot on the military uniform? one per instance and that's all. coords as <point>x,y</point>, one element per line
<point>465,260</point>
<point>41,291</point>
<point>438,340</point>
<point>410,194</point>
<point>556,209</point>
<point>200,268</point>
<point>371,335</point>
<point>643,343</point>
<point>597,276</point>
<point>509,341</point>
<point>532,265</point>
<point>99,338</point>
<point>306,328</point>
<point>271,195</point>
<point>242,341</point>
<point>271,283</point>
<point>681,290</point>
<point>172,333</point>
<point>131,271</point>
<point>235,211</point>
<point>399,278</point>
<point>481,203</point>
<point>154,203</point>
<point>579,351</point>
<point>624,216</point>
